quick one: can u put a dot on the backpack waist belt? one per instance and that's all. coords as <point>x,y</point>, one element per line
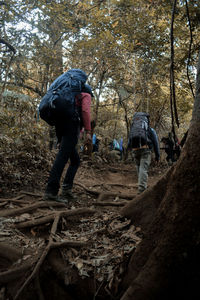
<point>142,147</point>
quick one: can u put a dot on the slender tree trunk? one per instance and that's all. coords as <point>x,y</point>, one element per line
<point>56,68</point>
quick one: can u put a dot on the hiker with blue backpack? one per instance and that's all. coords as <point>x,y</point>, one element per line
<point>143,140</point>
<point>66,105</point>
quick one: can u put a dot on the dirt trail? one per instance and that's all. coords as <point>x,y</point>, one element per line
<point>94,242</point>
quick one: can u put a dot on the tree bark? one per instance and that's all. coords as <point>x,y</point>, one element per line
<point>142,209</point>
<point>165,264</point>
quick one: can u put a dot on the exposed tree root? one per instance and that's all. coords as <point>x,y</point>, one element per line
<point>21,195</point>
<point>30,194</point>
<point>43,256</point>
<point>51,217</point>
<point>9,252</point>
<point>122,185</point>
<point>49,246</point>
<point>115,184</point>
<point>16,199</point>
<point>14,273</point>
<point>106,194</point>
<point>91,191</point>
<point>103,195</point>
<point>3,203</point>
<point>110,203</point>
<point>28,208</point>
<point>115,170</point>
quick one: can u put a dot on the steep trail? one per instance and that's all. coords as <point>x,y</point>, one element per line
<point>88,239</point>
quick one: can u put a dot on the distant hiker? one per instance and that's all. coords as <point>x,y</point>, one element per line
<point>143,141</point>
<point>168,147</point>
<point>121,147</point>
<point>177,148</point>
<point>95,143</point>
<point>94,138</point>
<point>116,145</point>
<point>172,148</point>
<point>67,131</point>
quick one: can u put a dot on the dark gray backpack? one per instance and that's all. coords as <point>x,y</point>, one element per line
<point>139,131</point>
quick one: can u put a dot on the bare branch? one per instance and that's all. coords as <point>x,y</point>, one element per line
<point>35,90</point>
<point>2,41</point>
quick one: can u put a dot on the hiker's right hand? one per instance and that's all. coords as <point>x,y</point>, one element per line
<point>88,136</point>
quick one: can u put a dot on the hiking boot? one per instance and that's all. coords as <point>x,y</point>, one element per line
<point>67,195</point>
<point>51,197</point>
<point>170,162</point>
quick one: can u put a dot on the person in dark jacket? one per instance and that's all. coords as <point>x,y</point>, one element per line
<point>67,132</point>
<point>142,157</point>
<point>169,149</point>
<point>172,148</point>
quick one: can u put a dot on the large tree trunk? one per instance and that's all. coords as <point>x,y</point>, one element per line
<point>166,263</point>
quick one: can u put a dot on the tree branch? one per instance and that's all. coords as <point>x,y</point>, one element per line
<point>35,90</point>
<point>2,41</point>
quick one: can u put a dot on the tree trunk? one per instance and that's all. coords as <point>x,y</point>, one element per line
<point>165,265</point>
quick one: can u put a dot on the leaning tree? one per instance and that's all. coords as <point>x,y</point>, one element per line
<point>166,263</point>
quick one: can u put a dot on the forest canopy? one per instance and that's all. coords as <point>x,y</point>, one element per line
<point>123,46</point>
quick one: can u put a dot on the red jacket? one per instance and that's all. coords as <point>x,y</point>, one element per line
<point>83,101</point>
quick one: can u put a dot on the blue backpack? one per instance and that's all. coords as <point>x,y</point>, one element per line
<point>59,101</point>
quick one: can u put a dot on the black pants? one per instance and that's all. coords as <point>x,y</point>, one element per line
<point>170,155</point>
<point>67,151</point>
